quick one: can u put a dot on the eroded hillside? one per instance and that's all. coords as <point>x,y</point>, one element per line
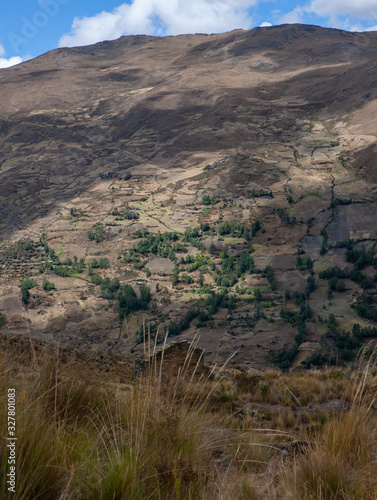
<point>219,184</point>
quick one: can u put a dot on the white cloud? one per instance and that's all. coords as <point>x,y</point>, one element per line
<point>356,27</point>
<point>364,9</point>
<point>265,24</point>
<point>360,28</point>
<point>295,16</point>
<point>12,61</point>
<point>160,17</point>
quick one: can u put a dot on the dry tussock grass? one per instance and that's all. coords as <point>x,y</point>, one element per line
<point>182,439</point>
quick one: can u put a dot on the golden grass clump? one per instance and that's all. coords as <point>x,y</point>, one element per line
<point>341,462</point>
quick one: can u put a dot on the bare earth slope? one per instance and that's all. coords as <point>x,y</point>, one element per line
<point>273,126</point>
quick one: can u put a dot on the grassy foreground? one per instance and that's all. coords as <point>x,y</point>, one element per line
<point>229,435</point>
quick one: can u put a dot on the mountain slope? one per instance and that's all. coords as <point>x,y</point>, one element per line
<point>272,128</point>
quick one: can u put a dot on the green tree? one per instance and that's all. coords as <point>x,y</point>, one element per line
<point>97,233</point>
<point>310,285</point>
<point>145,296</point>
<point>26,285</point>
<point>175,278</point>
<point>201,279</point>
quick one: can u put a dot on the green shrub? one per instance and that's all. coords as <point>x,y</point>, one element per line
<point>225,398</point>
<point>284,358</point>
<point>96,279</point>
<point>47,285</point>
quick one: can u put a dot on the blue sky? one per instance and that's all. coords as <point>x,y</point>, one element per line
<point>29,28</point>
